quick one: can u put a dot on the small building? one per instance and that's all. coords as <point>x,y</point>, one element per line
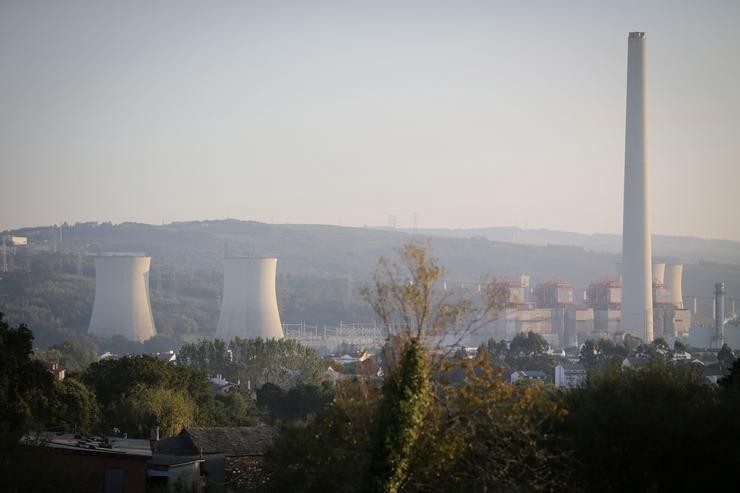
<point>86,463</point>
<point>236,447</point>
<point>54,368</point>
<point>634,363</point>
<point>174,472</point>
<point>221,385</point>
<point>570,375</point>
<point>167,357</point>
<point>713,373</point>
<point>528,376</point>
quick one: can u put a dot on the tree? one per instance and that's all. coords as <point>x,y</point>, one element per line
<point>725,356</point>
<point>111,379</point>
<point>74,406</point>
<point>144,407</point>
<point>679,347</point>
<point>24,385</point>
<point>405,401</point>
<point>627,428</point>
<point>233,409</point>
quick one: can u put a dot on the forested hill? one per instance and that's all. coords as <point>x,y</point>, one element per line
<point>320,269</point>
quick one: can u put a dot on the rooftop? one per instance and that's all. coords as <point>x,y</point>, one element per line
<point>89,443</point>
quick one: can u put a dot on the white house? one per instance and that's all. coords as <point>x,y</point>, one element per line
<point>570,375</point>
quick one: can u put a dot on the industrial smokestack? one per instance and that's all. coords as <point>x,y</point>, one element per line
<point>719,314</point>
<point>637,279</point>
<point>673,276</point>
<point>122,305</point>
<point>249,308</point>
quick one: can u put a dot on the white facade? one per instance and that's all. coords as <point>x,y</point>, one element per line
<point>122,305</point>
<point>637,279</point>
<point>570,375</point>
<point>249,308</point>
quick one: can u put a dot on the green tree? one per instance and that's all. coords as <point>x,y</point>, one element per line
<point>725,356</point>
<point>627,428</point>
<point>143,407</point>
<point>111,379</point>
<point>74,406</point>
<point>404,405</point>
<point>233,409</point>
<point>24,383</point>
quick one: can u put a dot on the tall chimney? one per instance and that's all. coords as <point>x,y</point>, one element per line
<point>637,278</point>
<point>719,313</point>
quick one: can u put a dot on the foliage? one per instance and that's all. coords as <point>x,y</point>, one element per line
<point>628,429</point>
<point>74,407</point>
<point>725,356</point>
<point>115,380</point>
<point>255,362</point>
<point>72,355</point>
<point>406,399</point>
<point>233,409</point>
<point>24,383</point>
<point>329,451</point>
<point>406,296</point>
<point>144,406</point>
<point>298,402</point>
<point>487,435</point>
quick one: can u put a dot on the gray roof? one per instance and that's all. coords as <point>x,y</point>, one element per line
<point>532,373</point>
<point>237,440</point>
<point>567,365</point>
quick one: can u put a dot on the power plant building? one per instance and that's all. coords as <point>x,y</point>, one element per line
<point>637,278</point>
<point>249,308</point>
<point>122,305</point>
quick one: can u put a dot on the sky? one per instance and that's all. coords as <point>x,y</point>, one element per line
<point>465,114</point>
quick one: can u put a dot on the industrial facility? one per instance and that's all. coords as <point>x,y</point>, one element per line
<point>249,308</point>
<point>122,305</point>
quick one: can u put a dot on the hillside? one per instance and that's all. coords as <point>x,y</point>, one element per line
<point>320,269</point>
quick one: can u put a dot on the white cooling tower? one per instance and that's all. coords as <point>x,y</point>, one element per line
<point>122,305</point>
<point>672,282</point>
<point>249,308</point>
<point>659,273</point>
<point>637,279</point>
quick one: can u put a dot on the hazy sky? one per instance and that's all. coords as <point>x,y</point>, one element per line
<point>467,113</point>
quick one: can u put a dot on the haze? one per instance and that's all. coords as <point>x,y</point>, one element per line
<point>468,114</point>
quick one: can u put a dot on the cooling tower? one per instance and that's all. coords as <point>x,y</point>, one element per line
<point>659,273</point>
<point>672,282</point>
<point>122,305</point>
<point>637,279</point>
<point>249,308</point>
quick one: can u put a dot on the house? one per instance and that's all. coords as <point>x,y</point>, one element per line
<point>713,373</point>
<point>54,368</point>
<point>224,450</point>
<point>634,363</point>
<point>174,472</point>
<point>85,463</point>
<point>221,385</point>
<point>167,357</point>
<point>528,376</point>
<point>570,375</point>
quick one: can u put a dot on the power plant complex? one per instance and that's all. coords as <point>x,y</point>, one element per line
<point>647,301</point>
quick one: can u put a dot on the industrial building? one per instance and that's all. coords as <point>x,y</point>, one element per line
<point>249,308</point>
<point>122,305</point>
